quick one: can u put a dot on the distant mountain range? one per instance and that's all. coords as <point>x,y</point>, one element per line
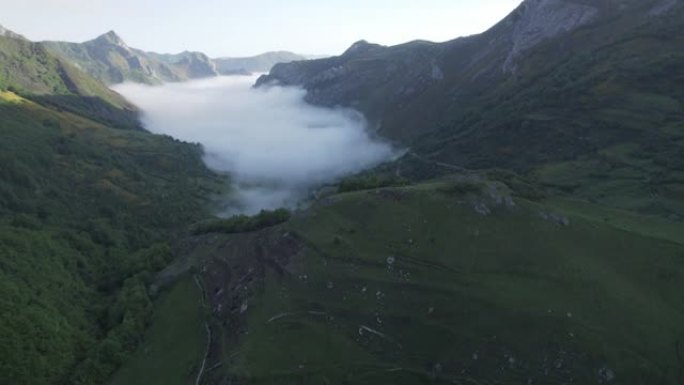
<point>255,64</point>
<point>109,59</point>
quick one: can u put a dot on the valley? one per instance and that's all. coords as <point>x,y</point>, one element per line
<point>501,208</point>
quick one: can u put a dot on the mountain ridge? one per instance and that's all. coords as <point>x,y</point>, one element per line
<point>419,89</point>
<point>109,59</point>
<point>11,34</point>
<point>255,64</point>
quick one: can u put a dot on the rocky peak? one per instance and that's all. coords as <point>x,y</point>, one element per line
<point>360,46</point>
<point>537,20</point>
<point>111,37</point>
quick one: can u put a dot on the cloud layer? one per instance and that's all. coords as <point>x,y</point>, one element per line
<point>275,145</point>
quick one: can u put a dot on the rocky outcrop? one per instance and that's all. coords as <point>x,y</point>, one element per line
<point>538,20</point>
<point>186,65</point>
<point>663,7</point>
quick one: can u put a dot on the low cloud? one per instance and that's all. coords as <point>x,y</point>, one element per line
<point>274,145</point>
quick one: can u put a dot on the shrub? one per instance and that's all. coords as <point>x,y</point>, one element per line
<point>243,223</point>
<point>370,182</point>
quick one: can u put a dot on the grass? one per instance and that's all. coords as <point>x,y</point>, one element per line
<point>174,345</point>
<point>412,285</point>
<point>9,97</point>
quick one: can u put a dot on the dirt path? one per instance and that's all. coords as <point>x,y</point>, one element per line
<point>208,329</point>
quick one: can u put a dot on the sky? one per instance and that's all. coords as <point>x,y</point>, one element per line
<point>243,28</point>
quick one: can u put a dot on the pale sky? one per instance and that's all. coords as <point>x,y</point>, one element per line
<point>247,27</point>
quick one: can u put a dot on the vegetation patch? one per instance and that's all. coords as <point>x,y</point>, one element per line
<point>243,223</point>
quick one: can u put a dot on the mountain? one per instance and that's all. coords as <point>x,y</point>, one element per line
<point>29,69</point>
<point>190,65</point>
<point>109,59</point>
<point>88,204</point>
<point>255,64</point>
<point>4,32</point>
<point>482,100</point>
<point>578,96</point>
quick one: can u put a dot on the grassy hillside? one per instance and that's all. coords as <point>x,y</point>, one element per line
<point>86,212</point>
<point>450,281</point>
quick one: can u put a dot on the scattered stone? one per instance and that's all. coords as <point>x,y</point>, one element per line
<point>606,375</point>
<point>437,73</point>
<point>436,370</point>
<point>330,285</point>
<point>559,364</point>
<point>244,307</point>
<point>511,361</point>
<point>482,209</point>
<point>557,219</point>
<point>391,260</point>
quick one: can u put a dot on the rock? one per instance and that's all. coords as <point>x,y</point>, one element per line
<point>482,209</point>
<point>539,20</point>
<point>606,375</point>
<point>437,73</point>
<point>557,219</point>
<point>663,7</point>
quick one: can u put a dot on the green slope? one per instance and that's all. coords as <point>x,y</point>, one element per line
<point>444,282</point>
<point>86,212</point>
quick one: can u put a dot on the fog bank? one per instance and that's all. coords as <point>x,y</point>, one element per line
<point>274,145</point>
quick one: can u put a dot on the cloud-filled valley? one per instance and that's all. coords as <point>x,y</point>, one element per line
<point>274,145</point>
